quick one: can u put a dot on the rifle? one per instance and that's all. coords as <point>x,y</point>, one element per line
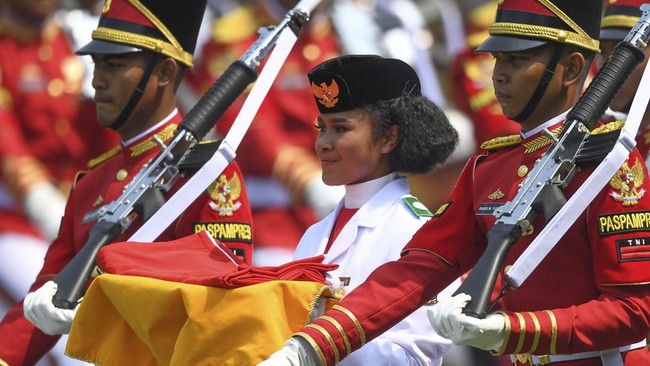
<point>144,195</point>
<point>541,191</point>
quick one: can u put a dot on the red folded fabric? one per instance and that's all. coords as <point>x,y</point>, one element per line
<point>199,259</point>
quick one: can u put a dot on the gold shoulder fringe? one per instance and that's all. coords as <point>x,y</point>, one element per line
<point>103,157</point>
<point>608,127</point>
<point>502,141</point>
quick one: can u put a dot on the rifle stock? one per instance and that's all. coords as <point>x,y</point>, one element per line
<point>541,191</point>
<point>143,195</point>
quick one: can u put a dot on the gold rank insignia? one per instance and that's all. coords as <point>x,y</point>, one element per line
<point>496,195</point>
<point>625,184</point>
<point>326,94</point>
<point>224,193</point>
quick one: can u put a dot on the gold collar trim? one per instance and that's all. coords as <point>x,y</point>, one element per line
<point>541,141</point>
<point>148,144</point>
<point>137,149</point>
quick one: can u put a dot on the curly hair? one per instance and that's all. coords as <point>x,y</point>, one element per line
<point>426,138</point>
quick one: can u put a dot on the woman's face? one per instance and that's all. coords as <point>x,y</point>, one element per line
<point>346,149</point>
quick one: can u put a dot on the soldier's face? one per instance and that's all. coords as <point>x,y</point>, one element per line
<point>515,77</point>
<point>346,149</point>
<point>115,78</point>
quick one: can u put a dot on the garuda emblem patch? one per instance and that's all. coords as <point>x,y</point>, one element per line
<point>224,193</point>
<point>626,183</point>
<point>326,94</point>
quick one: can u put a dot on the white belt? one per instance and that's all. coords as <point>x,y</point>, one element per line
<point>611,357</point>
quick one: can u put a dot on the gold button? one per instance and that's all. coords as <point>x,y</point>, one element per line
<point>121,175</point>
<point>522,171</point>
<point>507,268</point>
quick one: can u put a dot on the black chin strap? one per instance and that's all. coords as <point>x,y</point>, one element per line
<point>137,94</point>
<point>541,88</point>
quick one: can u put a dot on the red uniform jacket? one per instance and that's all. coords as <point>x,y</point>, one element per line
<point>590,293</point>
<point>223,211</point>
<point>48,129</point>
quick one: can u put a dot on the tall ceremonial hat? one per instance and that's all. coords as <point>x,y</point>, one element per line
<point>524,24</point>
<point>620,16</point>
<point>168,27</point>
<point>351,81</point>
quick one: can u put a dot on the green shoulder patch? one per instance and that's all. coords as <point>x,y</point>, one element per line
<point>418,208</point>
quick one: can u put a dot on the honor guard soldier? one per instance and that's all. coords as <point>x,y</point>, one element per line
<point>588,301</point>
<point>619,18</point>
<point>281,170</point>
<point>48,132</point>
<point>141,49</point>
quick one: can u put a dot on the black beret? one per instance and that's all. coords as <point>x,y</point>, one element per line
<point>351,81</point>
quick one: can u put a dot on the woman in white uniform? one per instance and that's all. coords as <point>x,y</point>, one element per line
<point>374,126</point>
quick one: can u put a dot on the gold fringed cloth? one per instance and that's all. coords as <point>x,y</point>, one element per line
<point>132,320</point>
<point>189,301</point>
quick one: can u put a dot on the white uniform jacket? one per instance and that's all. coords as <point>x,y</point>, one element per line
<point>374,235</point>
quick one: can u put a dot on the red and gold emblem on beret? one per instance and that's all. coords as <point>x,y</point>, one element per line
<point>626,183</point>
<point>224,193</point>
<point>326,94</point>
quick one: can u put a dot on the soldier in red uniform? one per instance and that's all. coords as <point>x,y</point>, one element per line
<point>588,302</point>
<point>282,171</point>
<point>140,50</point>
<point>619,18</point>
<point>48,132</point>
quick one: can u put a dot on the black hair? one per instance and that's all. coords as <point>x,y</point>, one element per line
<point>426,138</point>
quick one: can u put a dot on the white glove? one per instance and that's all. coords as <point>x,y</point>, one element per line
<point>38,309</point>
<point>292,354</point>
<point>449,322</point>
<point>44,206</point>
<point>321,197</point>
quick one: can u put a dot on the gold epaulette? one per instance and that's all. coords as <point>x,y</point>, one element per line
<point>235,26</point>
<point>103,157</point>
<point>608,127</point>
<point>502,141</point>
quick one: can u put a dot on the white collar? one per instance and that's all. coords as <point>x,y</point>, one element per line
<point>356,195</point>
<point>549,123</point>
<point>151,129</point>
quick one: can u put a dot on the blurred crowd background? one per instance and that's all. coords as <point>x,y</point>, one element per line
<point>48,130</point>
